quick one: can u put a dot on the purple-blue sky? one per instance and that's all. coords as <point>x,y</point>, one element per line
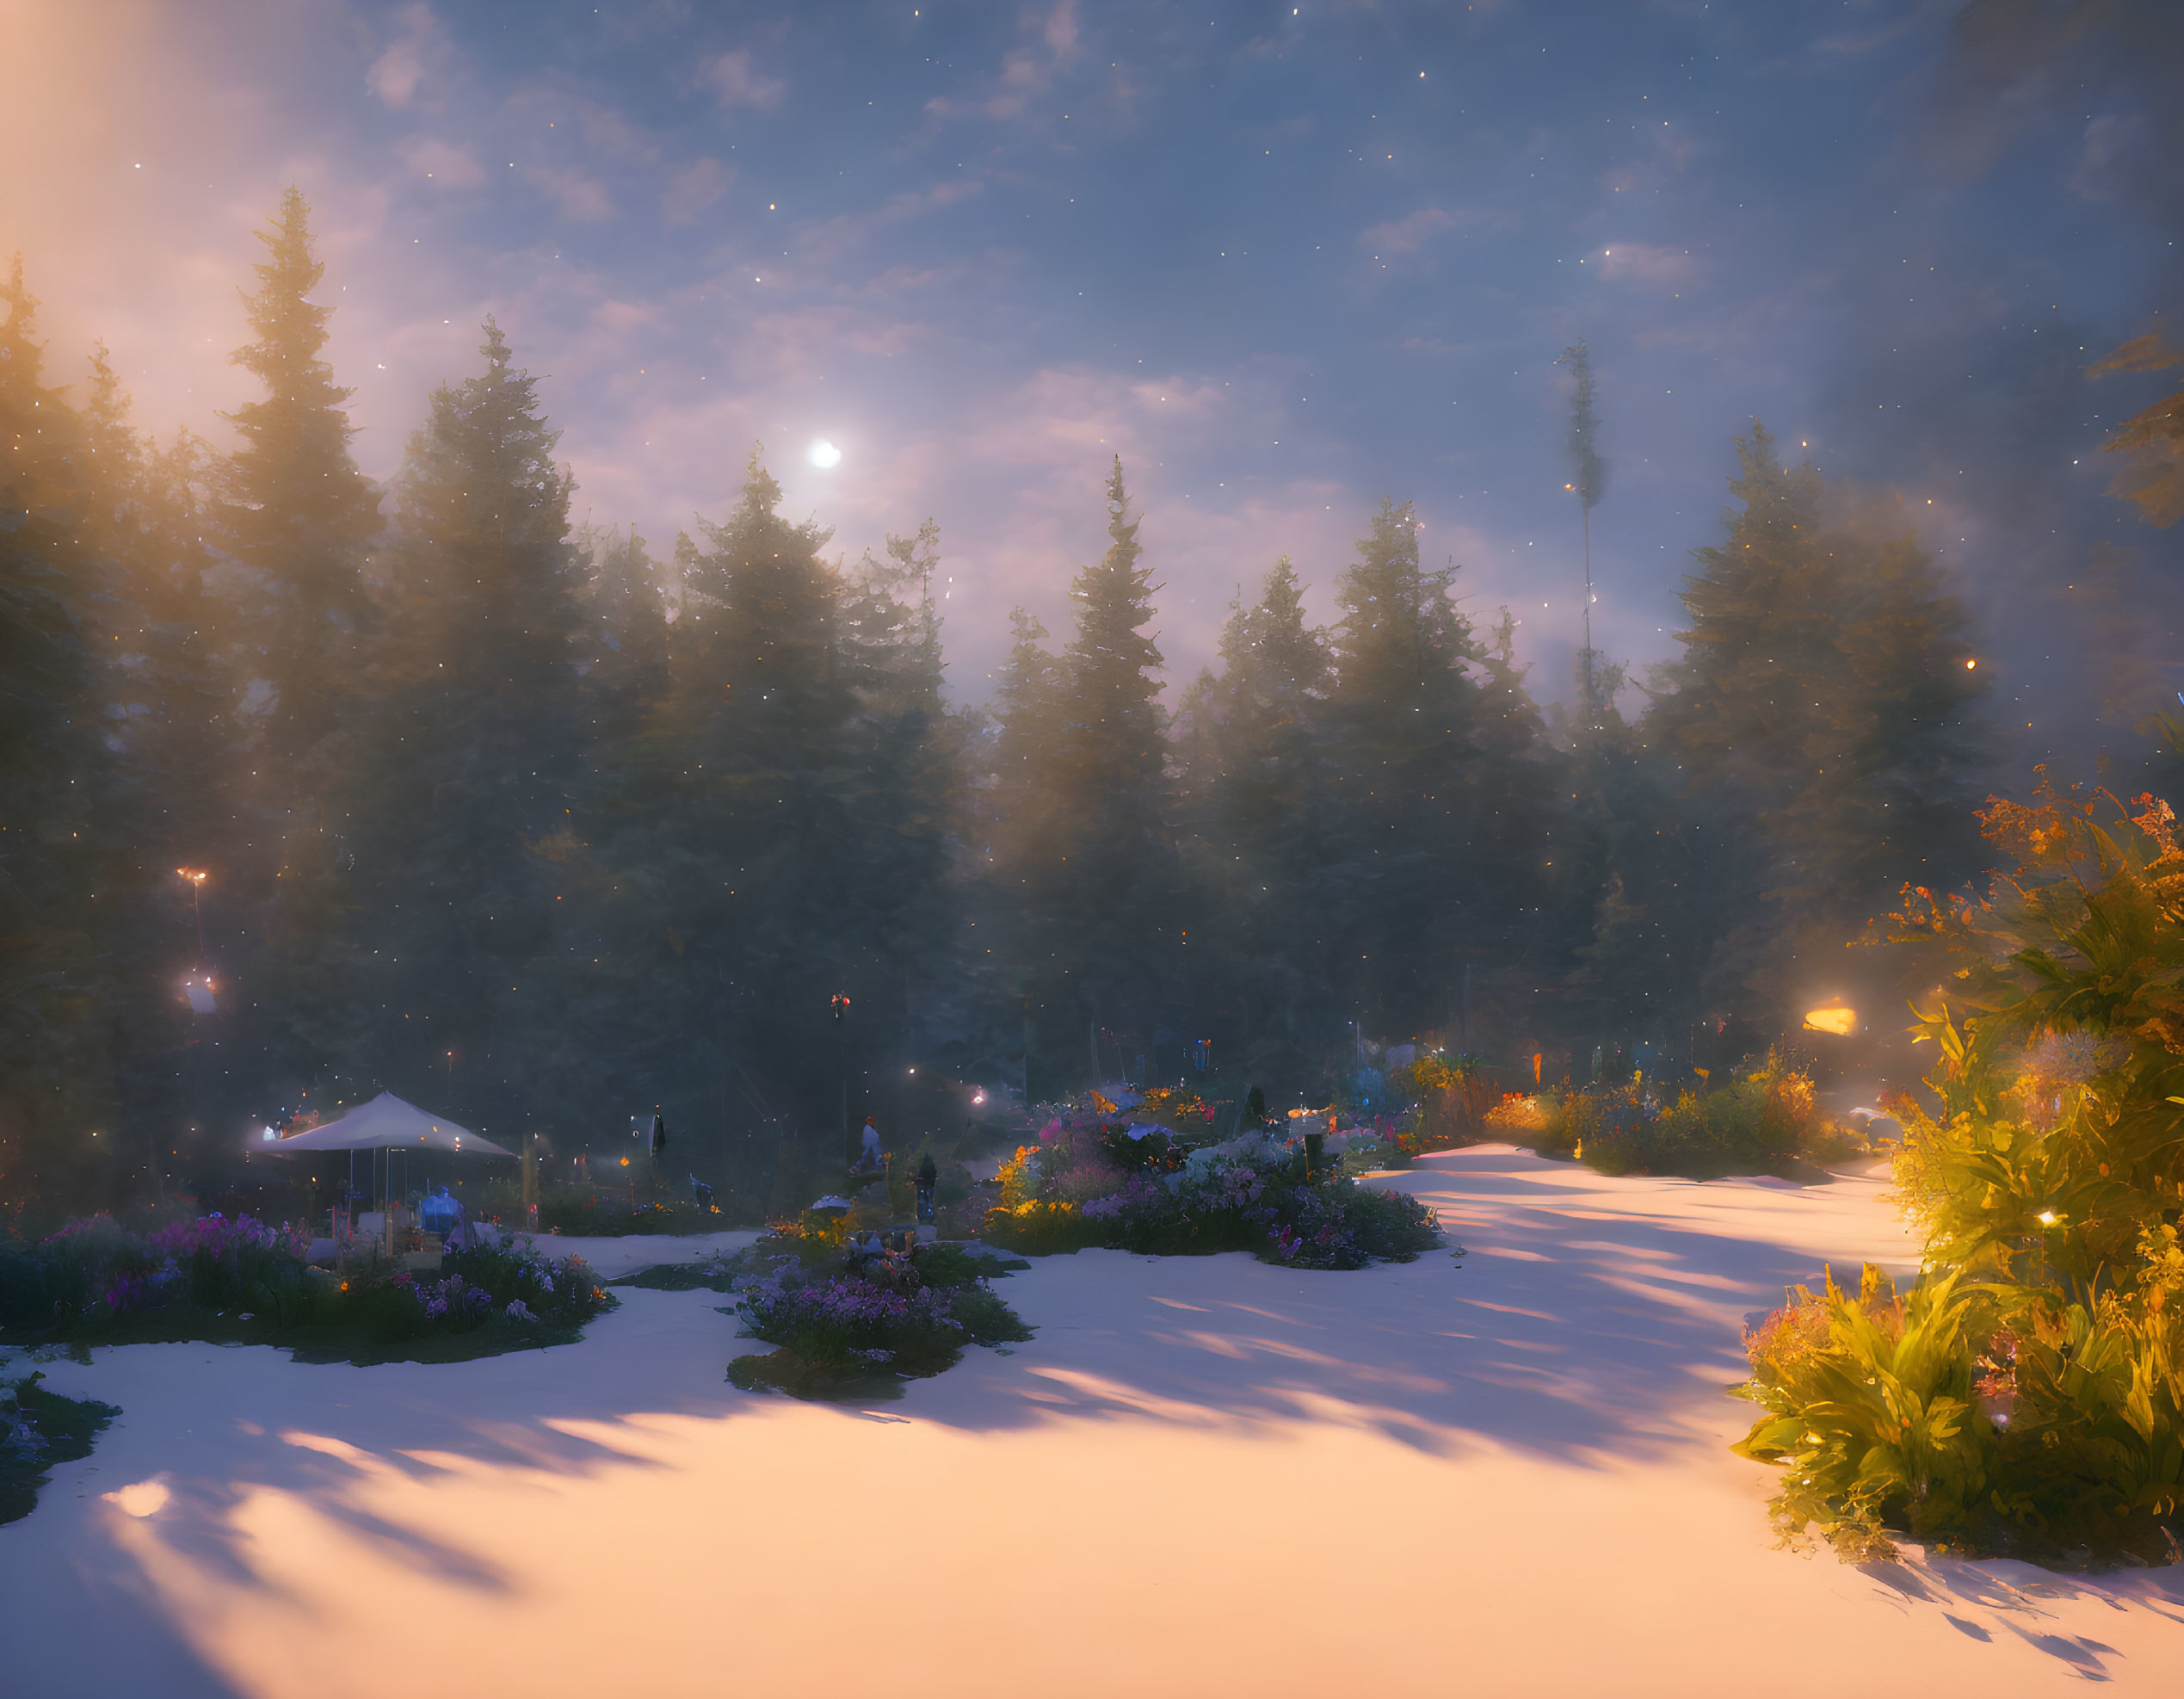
<point>1283,259</point>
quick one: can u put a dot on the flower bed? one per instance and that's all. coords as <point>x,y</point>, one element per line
<point>853,1325</point>
<point>1088,1184</point>
<point>1764,1122</point>
<point>242,1281</point>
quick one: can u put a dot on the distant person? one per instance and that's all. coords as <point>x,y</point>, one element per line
<point>927,1175</point>
<point>868,1152</point>
<point>1255,1107</point>
<point>659,1134</point>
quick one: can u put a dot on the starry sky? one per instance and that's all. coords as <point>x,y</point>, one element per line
<point>1283,259</point>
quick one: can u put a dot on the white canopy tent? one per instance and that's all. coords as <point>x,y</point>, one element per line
<point>389,1124</point>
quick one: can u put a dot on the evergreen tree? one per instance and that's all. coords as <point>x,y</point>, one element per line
<point>623,658</point>
<point>1258,797</point>
<point>437,928</point>
<point>55,1075</point>
<point>1095,919</point>
<point>1821,714</point>
<point>1589,483</point>
<point>299,512</point>
<point>172,746</point>
<point>755,852</point>
<point>1401,719</point>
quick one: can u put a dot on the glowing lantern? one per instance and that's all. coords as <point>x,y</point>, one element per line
<point>1835,1019</point>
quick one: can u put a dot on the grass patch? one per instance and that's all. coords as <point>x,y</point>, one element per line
<point>38,1429</point>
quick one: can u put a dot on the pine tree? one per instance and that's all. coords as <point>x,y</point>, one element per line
<point>1589,483</point>
<point>1110,750</point>
<point>1093,913</point>
<point>623,658</point>
<point>56,1071</point>
<point>1257,803</point>
<point>907,795</point>
<point>1821,714</point>
<point>172,743</point>
<point>437,927</point>
<point>299,512</point>
<point>756,857</point>
<point>1401,723</point>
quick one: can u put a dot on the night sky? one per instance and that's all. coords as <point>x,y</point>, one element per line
<point>1284,260</point>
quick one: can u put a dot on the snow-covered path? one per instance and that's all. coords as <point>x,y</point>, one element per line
<point>1205,1476</point>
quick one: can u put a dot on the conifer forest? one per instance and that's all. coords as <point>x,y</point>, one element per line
<point>450,784</point>
<point>1086,848</point>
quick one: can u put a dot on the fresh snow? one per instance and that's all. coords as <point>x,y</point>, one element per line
<point>1207,1476</point>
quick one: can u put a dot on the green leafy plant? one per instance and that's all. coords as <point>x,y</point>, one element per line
<point>38,1429</point>
<point>2027,1395</point>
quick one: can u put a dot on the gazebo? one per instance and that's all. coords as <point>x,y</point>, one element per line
<point>389,1124</point>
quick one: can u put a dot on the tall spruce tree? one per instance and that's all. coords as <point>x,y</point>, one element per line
<point>299,511</point>
<point>753,855</point>
<point>1822,714</point>
<point>623,657</point>
<point>1256,808</point>
<point>1095,919</point>
<point>56,1073</point>
<point>907,794</point>
<point>172,745</point>
<point>1444,831</point>
<point>439,930</point>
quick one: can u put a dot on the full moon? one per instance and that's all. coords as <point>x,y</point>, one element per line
<point>825,455</point>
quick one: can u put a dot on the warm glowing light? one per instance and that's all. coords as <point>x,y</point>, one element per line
<point>978,1097</point>
<point>1835,1019</point>
<point>140,1498</point>
<point>825,456</point>
<point>195,875</point>
<point>1969,665</point>
<point>2047,1218</point>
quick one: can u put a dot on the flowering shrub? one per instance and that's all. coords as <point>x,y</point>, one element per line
<point>1521,1115</point>
<point>1247,1195</point>
<point>1040,1227</point>
<point>2025,1396</point>
<point>223,1263</point>
<point>1755,1123</point>
<point>558,1291</point>
<point>463,1306</point>
<point>899,1314</point>
<point>828,1323</point>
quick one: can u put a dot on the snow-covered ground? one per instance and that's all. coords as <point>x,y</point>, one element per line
<point>1206,1477</point>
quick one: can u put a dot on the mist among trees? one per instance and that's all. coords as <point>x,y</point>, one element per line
<point>547,825</point>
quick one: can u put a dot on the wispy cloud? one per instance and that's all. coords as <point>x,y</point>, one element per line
<point>1641,262</point>
<point>447,164</point>
<point>1029,71</point>
<point>581,198</point>
<point>845,230</point>
<point>735,81</point>
<point>401,70</point>
<point>693,189</point>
